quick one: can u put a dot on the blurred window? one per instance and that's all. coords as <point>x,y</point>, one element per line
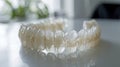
<point>53,5</point>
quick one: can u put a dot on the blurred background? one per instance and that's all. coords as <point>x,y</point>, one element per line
<point>14,12</point>
<point>40,9</point>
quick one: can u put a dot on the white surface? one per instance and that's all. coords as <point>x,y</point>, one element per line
<point>106,54</point>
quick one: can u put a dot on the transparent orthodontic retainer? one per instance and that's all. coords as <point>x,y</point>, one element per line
<point>50,37</point>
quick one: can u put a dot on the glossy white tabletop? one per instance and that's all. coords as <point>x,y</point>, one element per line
<point>106,54</point>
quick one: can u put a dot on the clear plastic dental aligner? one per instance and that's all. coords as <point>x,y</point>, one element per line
<point>49,37</point>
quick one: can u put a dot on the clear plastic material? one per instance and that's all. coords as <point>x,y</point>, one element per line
<point>50,38</point>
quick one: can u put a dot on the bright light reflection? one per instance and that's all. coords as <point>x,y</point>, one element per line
<point>3,39</point>
<point>14,45</point>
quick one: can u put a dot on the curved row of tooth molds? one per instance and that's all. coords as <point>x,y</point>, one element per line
<point>53,39</point>
<point>37,33</point>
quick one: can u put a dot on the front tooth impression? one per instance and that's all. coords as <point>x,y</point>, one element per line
<point>70,38</point>
<point>49,39</point>
<point>58,41</point>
